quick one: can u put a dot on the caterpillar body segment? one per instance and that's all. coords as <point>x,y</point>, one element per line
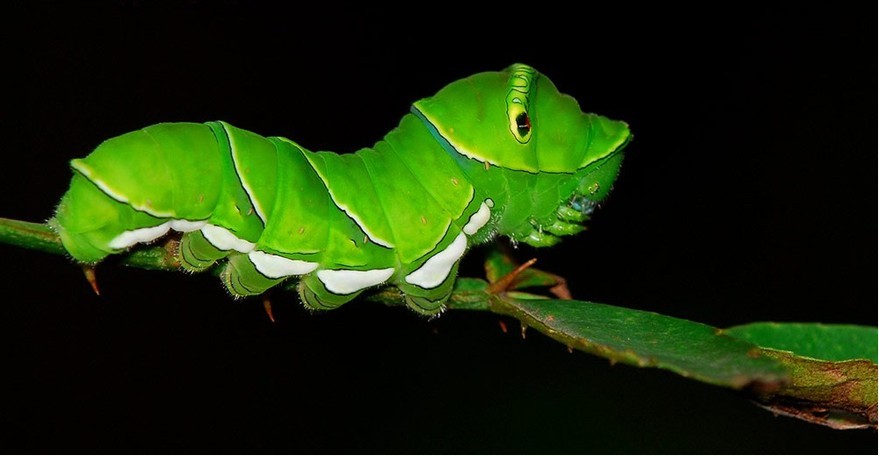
<point>496,153</point>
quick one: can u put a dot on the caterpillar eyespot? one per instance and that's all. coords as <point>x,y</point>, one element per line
<point>523,124</point>
<point>266,209</point>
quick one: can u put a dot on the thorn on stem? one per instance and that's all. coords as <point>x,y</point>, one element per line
<point>267,305</point>
<point>90,277</point>
<point>503,326</point>
<point>506,282</point>
<point>560,290</point>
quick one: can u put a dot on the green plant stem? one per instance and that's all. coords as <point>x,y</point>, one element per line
<point>34,236</point>
<point>39,236</point>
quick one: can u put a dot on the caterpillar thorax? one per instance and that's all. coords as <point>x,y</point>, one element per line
<point>495,153</point>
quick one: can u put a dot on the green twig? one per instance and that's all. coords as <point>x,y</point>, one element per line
<point>34,236</point>
<point>39,236</point>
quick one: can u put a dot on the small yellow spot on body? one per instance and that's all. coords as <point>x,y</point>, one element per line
<point>149,202</point>
<point>201,198</point>
<point>487,166</point>
<point>451,130</point>
<point>353,242</point>
<point>301,229</point>
<point>366,239</point>
<point>455,181</point>
<point>250,211</point>
<point>423,220</point>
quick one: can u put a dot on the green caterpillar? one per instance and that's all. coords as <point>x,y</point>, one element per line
<point>497,153</point>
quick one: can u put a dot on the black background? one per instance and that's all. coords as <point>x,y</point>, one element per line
<point>747,195</point>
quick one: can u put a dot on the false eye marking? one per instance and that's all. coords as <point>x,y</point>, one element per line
<point>521,89</point>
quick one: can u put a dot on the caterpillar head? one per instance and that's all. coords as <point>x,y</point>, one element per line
<point>516,123</point>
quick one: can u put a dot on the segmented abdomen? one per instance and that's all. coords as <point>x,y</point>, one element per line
<point>402,211</point>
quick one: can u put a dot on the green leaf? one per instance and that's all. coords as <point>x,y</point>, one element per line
<point>813,340</point>
<point>832,368</point>
<point>647,339</point>
<point>841,395</point>
<point>499,263</point>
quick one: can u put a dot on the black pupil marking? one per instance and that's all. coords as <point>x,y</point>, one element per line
<point>523,124</point>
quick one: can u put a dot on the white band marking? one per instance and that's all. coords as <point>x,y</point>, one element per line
<point>185,226</point>
<point>342,281</point>
<point>128,238</point>
<point>478,220</point>
<point>223,239</point>
<point>437,268</point>
<point>277,267</point>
